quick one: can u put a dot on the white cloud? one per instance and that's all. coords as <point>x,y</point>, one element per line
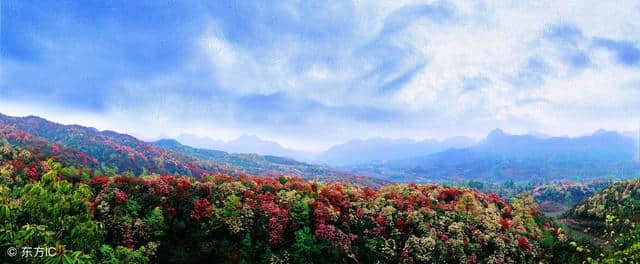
<point>487,40</point>
<point>497,41</point>
<point>219,51</point>
<point>467,86</point>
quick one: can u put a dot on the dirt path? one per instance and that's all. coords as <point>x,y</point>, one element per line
<point>578,227</point>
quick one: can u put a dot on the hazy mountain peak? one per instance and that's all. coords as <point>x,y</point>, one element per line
<point>167,141</point>
<point>497,133</point>
<point>32,117</point>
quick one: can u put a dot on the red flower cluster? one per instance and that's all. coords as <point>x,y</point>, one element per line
<point>494,198</point>
<point>449,194</point>
<point>201,209</point>
<point>524,243</point>
<point>336,237</point>
<point>320,212</point>
<point>32,171</point>
<point>278,220</point>
<point>334,196</point>
<point>99,181</point>
<point>121,197</point>
<point>505,223</point>
<point>183,185</point>
<point>507,210</point>
<point>163,186</point>
<point>18,164</point>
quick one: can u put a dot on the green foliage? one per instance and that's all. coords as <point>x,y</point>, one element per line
<point>301,211</point>
<point>547,240</point>
<point>305,248</point>
<point>155,220</point>
<point>628,255</point>
<point>122,255</point>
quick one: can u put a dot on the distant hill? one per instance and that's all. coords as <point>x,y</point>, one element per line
<point>383,149</point>
<point>262,165</point>
<point>244,144</point>
<point>44,149</point>
<point>621,200</point>
<point>114,150</point>
<point>203,154</point>
<point>501,156</point>
<point>121,152</point>
<point>610,217</point>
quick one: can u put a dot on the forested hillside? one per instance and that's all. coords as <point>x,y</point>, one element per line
<point>92,218</point>
<point>117,153</point>
<point>181,219</point>
<point>609,221</point>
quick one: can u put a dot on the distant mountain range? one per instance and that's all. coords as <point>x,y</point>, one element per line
<point>383,149</point>
<point>352,152</point>
<point>498,157</point>
<point>501,156</point>
<point>110,150</point>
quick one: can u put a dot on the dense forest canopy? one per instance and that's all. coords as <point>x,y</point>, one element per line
<point>91,217</point>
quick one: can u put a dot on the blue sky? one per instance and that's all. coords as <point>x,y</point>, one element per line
<point>316,73</point>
